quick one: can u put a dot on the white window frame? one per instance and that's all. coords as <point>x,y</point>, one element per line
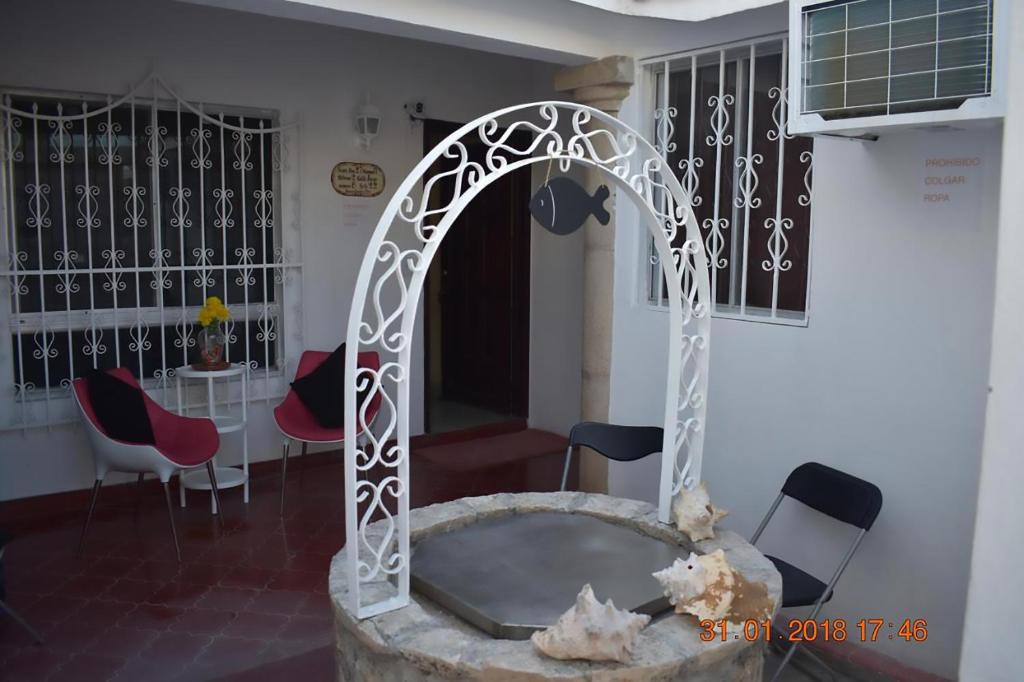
<point>736,127</point>
<point>277,323</point>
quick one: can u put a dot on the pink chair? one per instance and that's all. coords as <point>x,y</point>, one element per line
<point>181,443</point>
<point>298,424</point>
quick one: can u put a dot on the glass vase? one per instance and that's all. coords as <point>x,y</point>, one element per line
<point>211,346</point>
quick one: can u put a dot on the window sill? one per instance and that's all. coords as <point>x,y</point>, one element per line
<point>786,318</point>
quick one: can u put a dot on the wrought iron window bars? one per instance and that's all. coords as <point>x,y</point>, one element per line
<point>120,216</point>
<point>719,118</point>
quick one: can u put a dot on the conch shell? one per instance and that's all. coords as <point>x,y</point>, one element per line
<point>707,587</point>
<point>695,515</point>
<point>592,631</point>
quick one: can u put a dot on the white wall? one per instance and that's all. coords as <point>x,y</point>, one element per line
<point>991,645</point>
<point>887,382</point>
<point>316,75</point>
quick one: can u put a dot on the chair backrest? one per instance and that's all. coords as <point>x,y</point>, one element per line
<point>160,418</point>
<point>311,359</point>
<point>621,443</point>
<point>114,455</point>
<point>81,389</point>
<point>844,497</point>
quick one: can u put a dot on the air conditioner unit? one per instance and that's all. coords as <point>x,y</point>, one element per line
<point>868,66</point>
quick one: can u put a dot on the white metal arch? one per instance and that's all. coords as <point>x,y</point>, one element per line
<point>387,294</point>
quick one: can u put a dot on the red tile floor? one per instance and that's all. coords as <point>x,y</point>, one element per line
<point>248,602</point>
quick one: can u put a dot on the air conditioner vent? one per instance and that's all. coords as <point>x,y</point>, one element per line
<point>892,61</point>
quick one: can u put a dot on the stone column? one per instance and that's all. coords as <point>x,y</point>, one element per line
<point>602,84</point>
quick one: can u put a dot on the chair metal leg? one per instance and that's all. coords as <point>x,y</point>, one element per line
<point>785,661</point>
<point>88,515</point>
<point>767,517</point>
<point>21,621</point>
<point>818,605</point>
<point>807,652</point>
<point>170,517</point>
<point>212,471</point>
<point>302,469</point>
<point>138,493</point>
<point>565,470</point>
<point>284,471</point>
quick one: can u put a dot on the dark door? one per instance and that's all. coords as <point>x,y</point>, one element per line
<point>483,288</point>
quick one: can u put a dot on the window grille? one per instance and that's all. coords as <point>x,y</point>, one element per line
<point>120,217</point>
<point>719,117</point>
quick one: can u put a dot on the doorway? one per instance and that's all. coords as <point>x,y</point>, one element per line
<point>477,299</point>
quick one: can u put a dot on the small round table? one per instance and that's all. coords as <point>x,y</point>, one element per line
<point>227,477</point>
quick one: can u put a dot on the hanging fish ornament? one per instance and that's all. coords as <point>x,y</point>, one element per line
<point>561,205</point>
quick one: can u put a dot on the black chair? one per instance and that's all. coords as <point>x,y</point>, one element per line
<point>833,493</point>
<point>4,539</point>
<point>621,443</point>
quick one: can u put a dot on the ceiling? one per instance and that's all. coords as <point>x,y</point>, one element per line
<point>557,31</point>
<point>678,10</point>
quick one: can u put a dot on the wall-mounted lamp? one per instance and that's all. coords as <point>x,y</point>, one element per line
<point>367,123</point>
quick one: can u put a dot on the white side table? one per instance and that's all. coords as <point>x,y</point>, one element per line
<point>227,477</point>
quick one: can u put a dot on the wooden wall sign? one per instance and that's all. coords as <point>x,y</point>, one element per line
<point>353,179</point>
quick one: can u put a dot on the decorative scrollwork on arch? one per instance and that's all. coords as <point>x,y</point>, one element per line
<point>465,174</point>
<point>384,308</point>
<point>500,148</point>
<point>397,265</point>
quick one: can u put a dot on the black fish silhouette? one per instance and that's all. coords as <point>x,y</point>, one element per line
<point>562,206</point>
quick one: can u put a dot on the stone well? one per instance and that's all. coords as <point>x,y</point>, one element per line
<point>424,642</point>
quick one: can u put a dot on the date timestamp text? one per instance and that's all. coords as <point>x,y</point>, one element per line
<point>827,630</point>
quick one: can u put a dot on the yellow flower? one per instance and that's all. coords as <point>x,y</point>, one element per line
<point>213,311</point>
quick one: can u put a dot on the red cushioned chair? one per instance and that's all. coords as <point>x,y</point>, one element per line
<point>181,443</point>
<point>298,424</point>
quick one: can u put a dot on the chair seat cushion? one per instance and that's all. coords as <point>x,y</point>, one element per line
<point>799,588</point>
<point>297,422</point>
<point>186,441</point>
<point>120,408</point>
<point>322,391</point>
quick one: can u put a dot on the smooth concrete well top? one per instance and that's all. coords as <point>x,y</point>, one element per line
<point>424,641</point>
<point>514,575</point>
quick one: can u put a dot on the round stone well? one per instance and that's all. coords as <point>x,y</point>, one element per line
<point>426,641</point>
